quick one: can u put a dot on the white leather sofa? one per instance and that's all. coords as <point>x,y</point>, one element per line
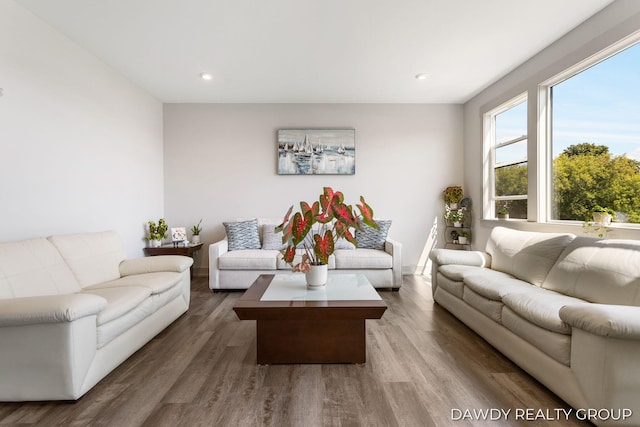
<point>72,309</point>
<point>238,269</point>
<point>564,308</point>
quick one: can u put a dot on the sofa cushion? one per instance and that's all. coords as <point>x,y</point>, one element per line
<point>493,284</point>
<point>251,259</point>
<point>363,258</point>
<point>541,307</point>
<point>107,331</point>
<point>33,268</point>
<point>163,298</point>
<point>158,282</point>
<point>92,257</point>
<point>454,287</point>
<point>556,345</point>
<point>373,238</point>
<point>488,307</point>
<point>281,265</point>
<point>242,235</point>
<point>120,301</point>
<point>526,255</point>
<point>599,271</point>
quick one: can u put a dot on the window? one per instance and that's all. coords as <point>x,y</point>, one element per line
<point>595,139</point>
<point>506,176</point>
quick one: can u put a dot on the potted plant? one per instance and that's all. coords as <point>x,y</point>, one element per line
<point>316,228</point>
<point>156,232</point>
<point>454,216</point>
<point>503,210</point>
<point>602,216</point>
<point>195,231</point>
<point>463,237</point>
<point>452,196</point>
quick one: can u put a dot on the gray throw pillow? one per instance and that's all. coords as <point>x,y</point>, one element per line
<point>373,238</point>
<point>344,244</point>
<point>242,234</point>
<point>270,239</point>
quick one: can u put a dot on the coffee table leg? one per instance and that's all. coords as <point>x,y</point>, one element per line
<point>311,341</point>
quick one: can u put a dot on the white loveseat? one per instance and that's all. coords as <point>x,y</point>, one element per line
<point>564,308</point>
<point>238,269</point>
<point>72,309</point>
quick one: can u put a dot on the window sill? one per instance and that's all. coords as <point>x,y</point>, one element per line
<point>497,221</point>
<point>616,230</point>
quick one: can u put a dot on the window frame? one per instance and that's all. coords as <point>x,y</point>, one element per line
<point>545,115</point>
<point>490,147</point>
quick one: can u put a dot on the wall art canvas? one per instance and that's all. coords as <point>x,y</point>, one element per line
<point>316,151</point>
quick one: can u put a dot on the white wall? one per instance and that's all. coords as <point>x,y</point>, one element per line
<point>220,164</point>
<point>81,147</point>
<point>612,24</point>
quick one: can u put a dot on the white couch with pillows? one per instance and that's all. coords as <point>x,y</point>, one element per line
<point>251,248</point>
<point>72,308</point>
<point>564,308</point>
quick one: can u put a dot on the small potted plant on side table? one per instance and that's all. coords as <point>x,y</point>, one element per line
<point>157,232</point>
<point>195,231</point>
<point>463,237</point>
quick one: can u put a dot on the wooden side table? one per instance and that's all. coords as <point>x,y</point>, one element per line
<point>191,250</point>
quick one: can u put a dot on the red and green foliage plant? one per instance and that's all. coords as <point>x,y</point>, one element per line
<point>335,220</point>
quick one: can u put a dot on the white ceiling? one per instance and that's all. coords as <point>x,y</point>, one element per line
<point>361,51</point>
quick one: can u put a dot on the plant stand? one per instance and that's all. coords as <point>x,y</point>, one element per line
<point>452,231</point>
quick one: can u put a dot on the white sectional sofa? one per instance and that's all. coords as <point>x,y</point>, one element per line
<point>238,269</point>
<point>72,309</point>
<point>564,308</point>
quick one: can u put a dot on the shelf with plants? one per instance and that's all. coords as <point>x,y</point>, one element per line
<point>457,217</point>
<point>457,237</point>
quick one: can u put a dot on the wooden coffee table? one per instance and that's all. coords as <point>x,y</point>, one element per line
<point>296,325</point>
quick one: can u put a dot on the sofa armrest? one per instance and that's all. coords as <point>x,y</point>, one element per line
<point>615,321</point>
<point>49,309</point>
<point>153,264</point>
<point>215,251</point>
<point>452,256</point>
<point>394,248</point>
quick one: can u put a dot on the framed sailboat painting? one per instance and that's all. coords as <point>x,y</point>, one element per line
<point>316,151</point>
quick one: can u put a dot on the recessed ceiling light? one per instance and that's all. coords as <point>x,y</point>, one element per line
<point>206,76</point>
<point>422,76</point>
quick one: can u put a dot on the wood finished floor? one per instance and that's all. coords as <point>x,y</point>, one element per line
<point>422,363</point>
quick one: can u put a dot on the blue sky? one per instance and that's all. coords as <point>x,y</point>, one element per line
<point>600,105</point>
